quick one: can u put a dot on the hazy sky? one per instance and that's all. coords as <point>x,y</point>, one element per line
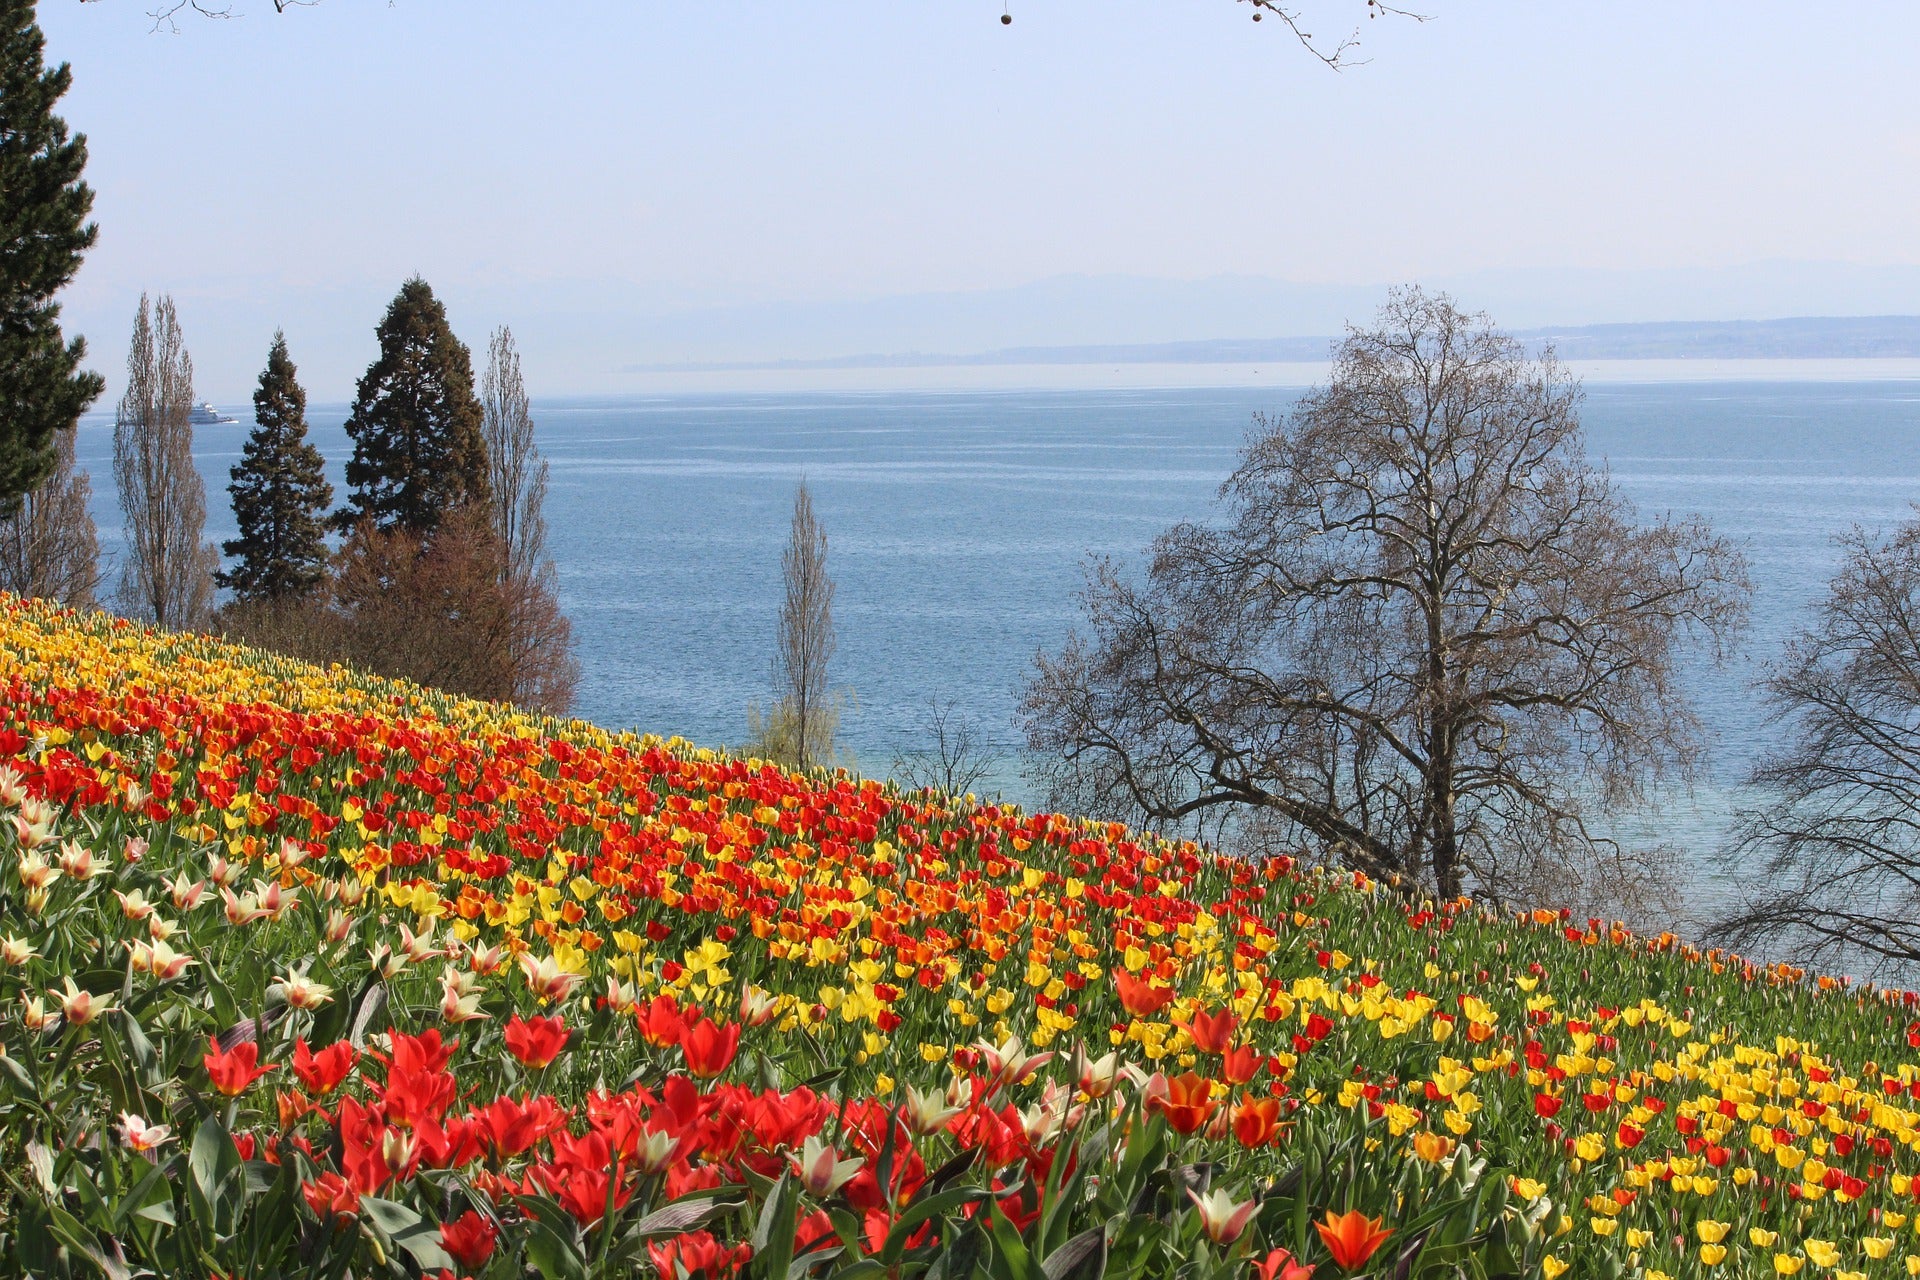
<point>612,176</point>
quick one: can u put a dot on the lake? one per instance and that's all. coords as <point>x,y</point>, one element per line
<point>958,523</point>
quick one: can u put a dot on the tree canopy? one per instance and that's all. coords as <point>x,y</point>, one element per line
<point>419,451</point>
<point>280,492</point>
<point>43,233</point>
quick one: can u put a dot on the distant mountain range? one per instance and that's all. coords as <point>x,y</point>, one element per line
<point>594,334</point>
<point>1797,338</point>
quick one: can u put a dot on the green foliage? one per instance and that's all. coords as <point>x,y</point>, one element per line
<point>418,448</point>
<point>43,232</point>
<point>280,493</point>
<point>775,734</point>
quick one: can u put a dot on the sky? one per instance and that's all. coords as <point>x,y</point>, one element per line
<point>634,183</point>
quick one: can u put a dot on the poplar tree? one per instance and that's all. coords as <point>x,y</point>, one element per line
<point>517,474</point>
<point>538,638</point>
<point>418,449</point>
<point>806,633</point>
<point>168,573</point>
<point>43,232</point>
<point>801,727</point>
<point>280,493</point>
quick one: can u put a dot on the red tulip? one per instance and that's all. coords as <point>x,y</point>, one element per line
<point>537,1042</point>
<point>469,1239</point>
<point>322,1072</point>
<point>660,1022</point>
<point>1281,1265</point>
<point>1241,1065</point>
<point>232,1071</point>
<point>330,1197</point>
<point>1352,1237</point>
<point>697,1253</point>
<point>709,1049</point>
<point>512,1127</point>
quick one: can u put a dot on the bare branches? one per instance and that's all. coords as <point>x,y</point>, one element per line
<point>1338,54</point>
<point>165,17</point>
<point>1832,863</point>
<point>1423,635</point>
<point>49,547</point>
<point>1335,54</point>
<point>953,761</point>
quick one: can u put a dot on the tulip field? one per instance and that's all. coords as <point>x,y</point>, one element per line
<point>305,973</point>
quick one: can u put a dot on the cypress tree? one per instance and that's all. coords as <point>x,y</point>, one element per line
<point>280,493</point>
<point>418,449</point>
<point>43,232</point>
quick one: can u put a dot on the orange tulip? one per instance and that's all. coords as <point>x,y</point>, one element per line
<point>1211,1032</point>
<point>1352,1237</point>
<point>1256,1122</point>
<point>1140,997</point>
<point>1188,1103</point>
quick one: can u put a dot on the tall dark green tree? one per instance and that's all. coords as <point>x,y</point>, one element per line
<point>280,493</point>
<point>43,232</point>
<point>418,448</point>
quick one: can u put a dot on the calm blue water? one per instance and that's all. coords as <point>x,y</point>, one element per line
<point>958,524</point>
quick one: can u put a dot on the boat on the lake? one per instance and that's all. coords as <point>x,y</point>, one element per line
<point>204,414</point>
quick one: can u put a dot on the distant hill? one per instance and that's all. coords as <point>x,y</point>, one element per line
<point>1801,338</point>
<point>1798,338</point>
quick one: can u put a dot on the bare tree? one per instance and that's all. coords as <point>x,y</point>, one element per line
<point>1831,863</point>
<point>436,608</point>
<point>1428,637</point>
<point>801,727</point>
<point>540,640</point>
<point>514,466</point>
<point>168,572</point>
<point>953,761</point>
<point>50,548</point>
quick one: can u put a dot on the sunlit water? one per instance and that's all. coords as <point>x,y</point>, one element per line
<point>959,522</point>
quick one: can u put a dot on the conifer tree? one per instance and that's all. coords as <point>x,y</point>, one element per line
<point>280,493</point>
<point>418,451</point>
<point>43,232</point>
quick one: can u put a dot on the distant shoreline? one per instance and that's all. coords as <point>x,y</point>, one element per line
<point>1185,375</point>
<point>1142,376</point>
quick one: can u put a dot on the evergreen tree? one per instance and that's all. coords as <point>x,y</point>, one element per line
<point>280,493</point>
<point>418,449</point>
<point>43,232</point>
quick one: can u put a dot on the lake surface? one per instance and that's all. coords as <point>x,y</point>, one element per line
<point>958,524</point>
